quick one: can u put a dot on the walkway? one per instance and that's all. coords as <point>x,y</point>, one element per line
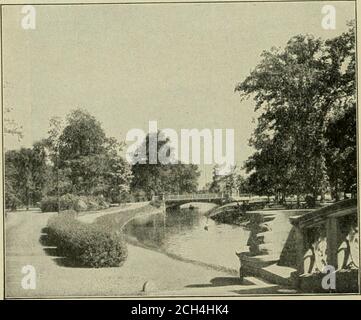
<point>171,277</point>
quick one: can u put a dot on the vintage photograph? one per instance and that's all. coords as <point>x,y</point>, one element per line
<point>180,149</point>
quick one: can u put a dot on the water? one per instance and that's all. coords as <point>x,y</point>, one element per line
<point>182,233</point>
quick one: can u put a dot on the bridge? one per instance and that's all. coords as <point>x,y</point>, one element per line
<point>176,200</point>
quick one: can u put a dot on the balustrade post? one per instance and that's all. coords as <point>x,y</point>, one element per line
<point>300,250</point>
<point>332,229</point>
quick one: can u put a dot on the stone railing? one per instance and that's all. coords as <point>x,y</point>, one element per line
<point>328,237</point>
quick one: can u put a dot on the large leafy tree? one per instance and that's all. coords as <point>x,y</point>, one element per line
<point>286,86</point>
<point>156,179</point>
<point>89,163</point>
<point>296,89</point>
<point>341,143</point>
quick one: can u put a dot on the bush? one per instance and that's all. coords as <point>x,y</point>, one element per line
<point>310,201</point>
<point>49,204</point>
<point>124,198</point>
<point>73,202</point>
<point>89,245</point>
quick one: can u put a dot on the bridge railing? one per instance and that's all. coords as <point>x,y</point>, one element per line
<point>210,196</point>
<point>193,196</point>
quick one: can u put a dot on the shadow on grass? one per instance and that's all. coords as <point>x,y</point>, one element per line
<point>221,282</point>
<point>51,249</point>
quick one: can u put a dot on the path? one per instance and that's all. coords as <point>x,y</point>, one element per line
<point>171,277</point>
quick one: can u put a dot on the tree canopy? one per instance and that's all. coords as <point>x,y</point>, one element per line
<point>304,93</point>
<point>77,157</point>
<point>156,179</point>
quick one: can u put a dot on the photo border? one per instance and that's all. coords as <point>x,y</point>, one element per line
<point>298,296</point>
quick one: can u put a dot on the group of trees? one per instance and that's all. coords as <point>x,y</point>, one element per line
<point>155,179</point>
<point>75,158</point>
<point>231,183</point>
<point>78,158</point>
<point>305,139</point>
<point>87,162</point>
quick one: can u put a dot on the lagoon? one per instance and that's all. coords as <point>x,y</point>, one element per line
<point>191,235</point>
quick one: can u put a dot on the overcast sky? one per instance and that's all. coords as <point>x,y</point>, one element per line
<point>128,64</point>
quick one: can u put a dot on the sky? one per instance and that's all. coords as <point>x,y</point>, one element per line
<point>177,64</point>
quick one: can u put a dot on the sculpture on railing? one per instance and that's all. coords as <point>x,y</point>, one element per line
<point>352,241</point>
<point>316,257</point>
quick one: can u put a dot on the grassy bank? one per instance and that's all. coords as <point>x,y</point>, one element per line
<point>231,213</point>
<point>118,220</point>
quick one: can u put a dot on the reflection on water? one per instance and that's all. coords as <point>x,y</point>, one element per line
<point>191,235</point>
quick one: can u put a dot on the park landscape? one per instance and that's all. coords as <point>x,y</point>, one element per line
<point>87,222</point>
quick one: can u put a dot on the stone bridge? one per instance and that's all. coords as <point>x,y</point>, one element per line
<point>176,200</point>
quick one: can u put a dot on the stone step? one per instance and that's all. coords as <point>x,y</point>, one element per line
<point>278,274</point>
<point>265,267</point>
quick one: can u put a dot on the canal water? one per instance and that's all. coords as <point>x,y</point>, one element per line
<point>190,235</point>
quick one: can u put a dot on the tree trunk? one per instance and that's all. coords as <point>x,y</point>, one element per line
<point>27,199</point>
<point>283,198</point>
<point>298,201</point>
<point>57,183</point>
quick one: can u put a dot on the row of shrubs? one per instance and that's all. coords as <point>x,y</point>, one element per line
<point>73,202</point>
<point>89,245</point>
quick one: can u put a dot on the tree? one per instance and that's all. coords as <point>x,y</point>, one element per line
<point>82,136</point>
<point>25,174</point>
<point>341,155</point>
<point>341,142</point>
<point>233,182</point>
<point>12,195</point>
<point>286,86</point>
<point>88,162</point>
<point>53,143</point>
<point>76,157</point>
<point>117,172</point>
<point>156,179</point>
<point>40,170</point>
<point>296,90</point>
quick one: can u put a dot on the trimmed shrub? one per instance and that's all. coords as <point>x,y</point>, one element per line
<point>71,202</point>
<point>49,204</point>
<point>89,245</point>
